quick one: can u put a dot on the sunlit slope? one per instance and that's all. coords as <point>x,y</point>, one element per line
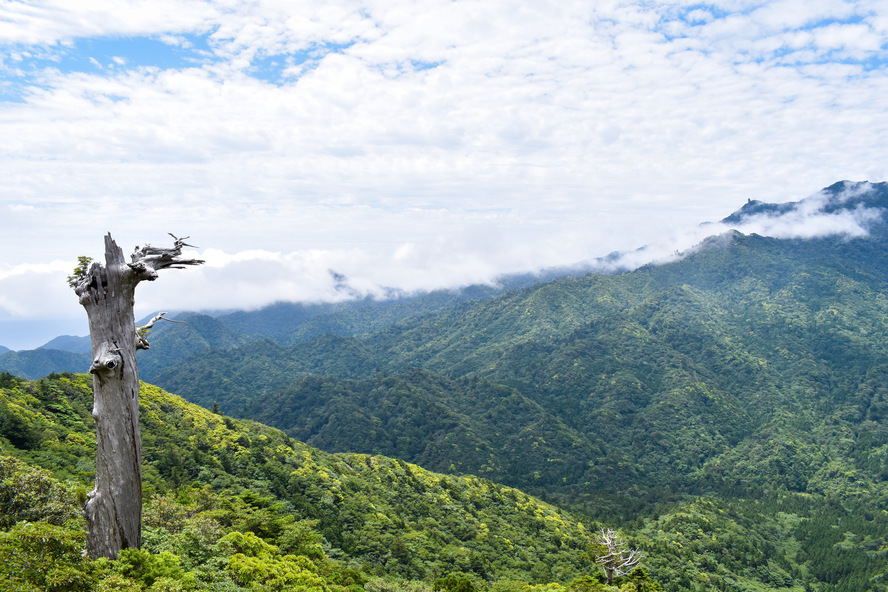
<point>217,487</point>
<point>369,508</point>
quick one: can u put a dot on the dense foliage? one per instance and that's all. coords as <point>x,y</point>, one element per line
<point>678,385</point>
<point>229,500</point>
<point>233,504</point>
<point>728,411</point>
<point>40,362</point>
<point>752,368</point>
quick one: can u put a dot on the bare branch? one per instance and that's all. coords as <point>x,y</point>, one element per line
<point>615,558</point>
<point>148,260</point>
<point>180,242</point>
<point>142,331</point>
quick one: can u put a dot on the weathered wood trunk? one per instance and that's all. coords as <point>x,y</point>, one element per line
<point>114,508</point>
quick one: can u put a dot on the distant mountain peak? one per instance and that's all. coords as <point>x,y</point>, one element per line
<point>845,207</point>
<point>69,343</point>
<point>754,207</point>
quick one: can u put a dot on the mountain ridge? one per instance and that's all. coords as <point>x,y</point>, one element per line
<point>728,408</point>
<point>695,350</point>
<point>291,322</point>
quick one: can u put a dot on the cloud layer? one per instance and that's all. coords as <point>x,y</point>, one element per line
<point>412,144</point>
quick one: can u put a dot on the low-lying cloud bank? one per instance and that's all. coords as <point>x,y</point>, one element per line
<point>844,212</point>
<point>36,303</point>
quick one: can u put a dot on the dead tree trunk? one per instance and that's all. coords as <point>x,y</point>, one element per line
<point>114,508</point>
<point>613,555</point>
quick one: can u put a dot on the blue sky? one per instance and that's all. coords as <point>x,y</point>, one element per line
<point>415,144</point>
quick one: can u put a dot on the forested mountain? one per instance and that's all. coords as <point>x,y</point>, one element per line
<point>652,379</point>
<point>191,333</point>
<point>656,377</point>
<point>283,322</point>
<point>71,343</point>
<point>750,368</point>
<point>287,322</point>
<point>728,410</point>
<point>40,362</point>
<point>235,505</point>
<point>65,353</point>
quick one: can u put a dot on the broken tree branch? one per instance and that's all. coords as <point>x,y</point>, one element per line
<point>142,331</point>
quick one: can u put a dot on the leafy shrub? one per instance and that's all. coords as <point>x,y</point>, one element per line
<point>45,557</point>
<point>31,494</point>
<point>454,582</point>
<point>146,567</point>
<point>257,564</point>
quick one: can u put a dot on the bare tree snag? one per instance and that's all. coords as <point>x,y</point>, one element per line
<point>613,555</point>
<point>114,508</point>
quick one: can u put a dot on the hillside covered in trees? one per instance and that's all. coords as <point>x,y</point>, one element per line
<point>754,367</point>
<point>726,411</point>
<point>666,376</point>
<point>235,505</point>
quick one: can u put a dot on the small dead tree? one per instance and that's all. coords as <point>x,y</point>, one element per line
<point>614,555</point>
<point>114,508</point>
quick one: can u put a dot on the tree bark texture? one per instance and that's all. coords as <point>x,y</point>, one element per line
<point>114,508</point>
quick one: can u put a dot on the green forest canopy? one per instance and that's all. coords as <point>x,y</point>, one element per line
<point>371,520</point>
<point>727,412</point>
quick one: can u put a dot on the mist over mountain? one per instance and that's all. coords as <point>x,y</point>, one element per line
<point>731,388</point>
<point>656,347</point>
<point>287,322</point>
<point>842,208</point>
<point>648,352</point>
<point>744,366</point>
<point>845,208</point>
<point>284,322</point>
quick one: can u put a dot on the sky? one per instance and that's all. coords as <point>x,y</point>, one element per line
<point>408,144</point>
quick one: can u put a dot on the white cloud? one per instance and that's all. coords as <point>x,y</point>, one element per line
<point>423,143</point>
<point>47,22</point>
<point>53,267</point>
<point>807,219</point>
<point>36,290</point>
